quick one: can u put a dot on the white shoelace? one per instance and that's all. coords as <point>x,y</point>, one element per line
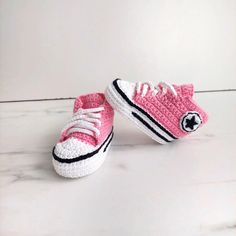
<point>162,86</point>
<point>84,121</point>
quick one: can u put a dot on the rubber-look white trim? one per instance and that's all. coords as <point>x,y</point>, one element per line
<point>83,167</point>
<point>118,103</point>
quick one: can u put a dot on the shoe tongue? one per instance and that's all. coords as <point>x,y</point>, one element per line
<point>86,102</point>
<point>186,90</point>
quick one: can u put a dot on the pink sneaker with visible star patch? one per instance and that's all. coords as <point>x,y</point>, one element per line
<point>85,140</point>
<point>164,112</point>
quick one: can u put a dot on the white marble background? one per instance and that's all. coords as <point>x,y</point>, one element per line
<point>186,188</point>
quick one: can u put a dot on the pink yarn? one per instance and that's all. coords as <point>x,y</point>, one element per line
<point>107,115</point>
<point>168,109</point>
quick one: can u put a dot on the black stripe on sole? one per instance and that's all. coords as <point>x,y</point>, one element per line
<point>86,156</point>
<point>108,143</point>
<point>150,127</point>
<point>116,86</point>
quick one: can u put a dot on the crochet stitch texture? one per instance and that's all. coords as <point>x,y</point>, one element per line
<point>164,112</point>
<point>85,140</point>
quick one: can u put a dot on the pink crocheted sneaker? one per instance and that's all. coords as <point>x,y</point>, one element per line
<point>164,112</point>
<point>85,140</point>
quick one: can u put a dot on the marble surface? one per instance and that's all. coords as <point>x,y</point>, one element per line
<point>186,188</point>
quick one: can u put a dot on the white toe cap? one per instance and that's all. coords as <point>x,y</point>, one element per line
<point>72,148</point>
<point>127,87</point>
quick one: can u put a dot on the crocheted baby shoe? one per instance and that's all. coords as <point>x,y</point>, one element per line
<point>85,140</point>
<point>164,112</point>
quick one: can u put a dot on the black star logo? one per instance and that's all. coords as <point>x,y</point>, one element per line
<point>190,123</point>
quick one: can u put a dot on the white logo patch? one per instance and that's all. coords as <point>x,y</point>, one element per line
<point>190,121</point>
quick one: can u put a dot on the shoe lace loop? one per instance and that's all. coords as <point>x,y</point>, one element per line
<point>84,121</point>
<point>155,89</point>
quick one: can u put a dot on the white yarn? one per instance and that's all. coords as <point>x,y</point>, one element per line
<point>72,148</point>
<point>128,87</point>
<point>162,86</point>
<point>122,107</point>
<point>84,121</point>
<point>83,167</point>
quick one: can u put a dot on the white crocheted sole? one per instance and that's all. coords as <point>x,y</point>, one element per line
<point>119,104</point>
<point>84,167</point>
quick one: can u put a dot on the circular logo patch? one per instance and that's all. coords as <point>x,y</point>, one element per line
<point>190,121</point>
